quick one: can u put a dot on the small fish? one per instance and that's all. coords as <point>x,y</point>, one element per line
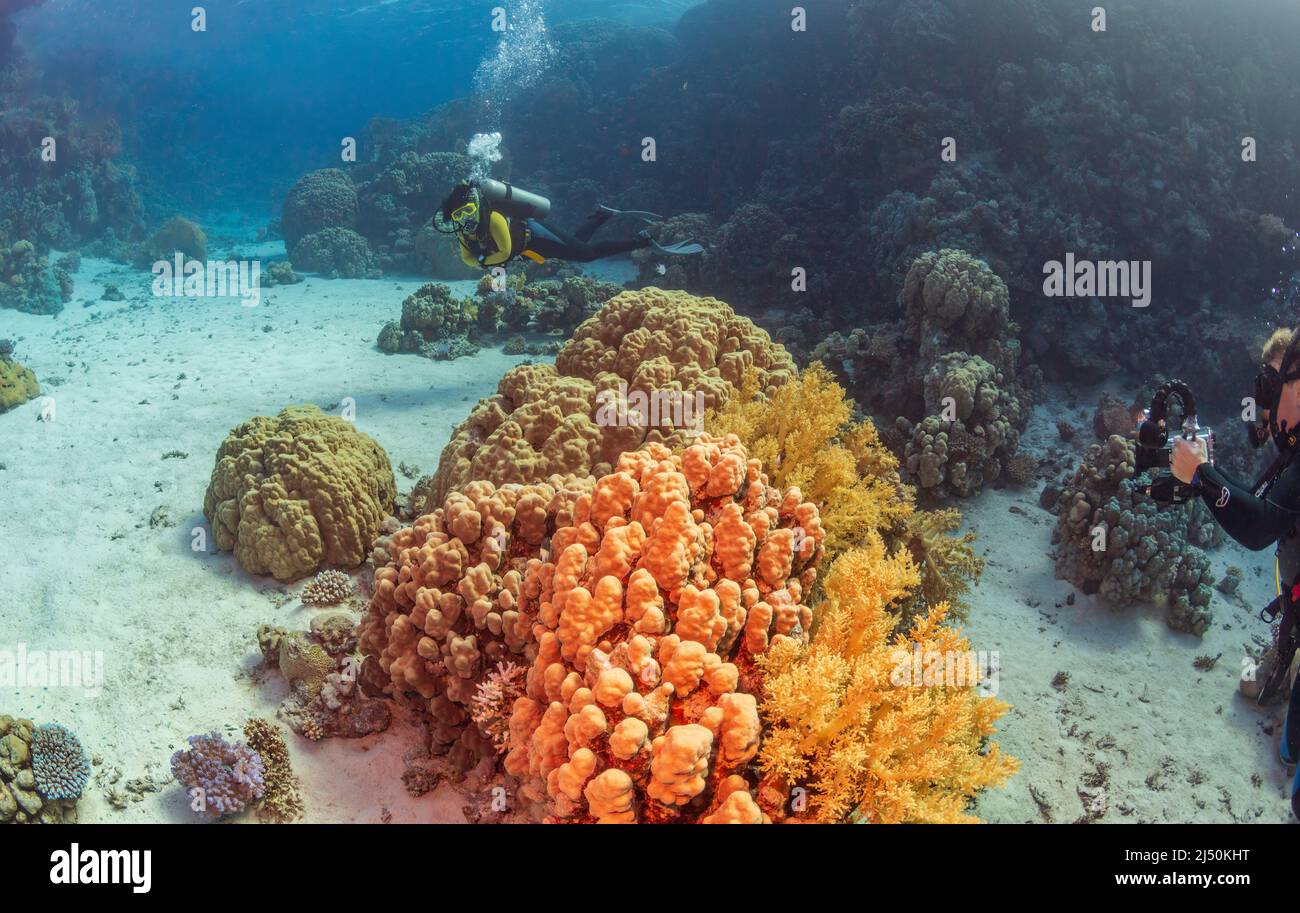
<point>661,269</point>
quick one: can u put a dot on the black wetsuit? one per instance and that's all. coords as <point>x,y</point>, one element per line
<point>578,247</point>
<point>1258,518</point>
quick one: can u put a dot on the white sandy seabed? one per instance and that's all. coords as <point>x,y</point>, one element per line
<point>144,391</point>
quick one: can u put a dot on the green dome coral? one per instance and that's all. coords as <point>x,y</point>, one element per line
<point>298,492</point>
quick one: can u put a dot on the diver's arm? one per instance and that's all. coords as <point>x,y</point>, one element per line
<point>1255,523</point>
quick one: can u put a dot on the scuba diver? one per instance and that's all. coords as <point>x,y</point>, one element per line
<point>1267,512</point>
<point>497,222</point>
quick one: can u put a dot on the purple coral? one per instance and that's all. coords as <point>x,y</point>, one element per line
<point>227,777</point>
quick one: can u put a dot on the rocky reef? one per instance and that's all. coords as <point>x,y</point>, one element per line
<point>43,770</point>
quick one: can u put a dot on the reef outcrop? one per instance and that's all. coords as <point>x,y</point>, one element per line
<point>1112,539</point>
<point>43,770</point>
<point>665,351</point>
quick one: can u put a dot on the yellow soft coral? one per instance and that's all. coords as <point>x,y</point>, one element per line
<point>804,434</point>
<point>849,721</point>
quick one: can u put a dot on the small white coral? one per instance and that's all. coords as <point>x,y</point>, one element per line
<point>493,700</point>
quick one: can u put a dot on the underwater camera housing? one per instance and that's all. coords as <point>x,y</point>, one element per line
<point>1155,450</point>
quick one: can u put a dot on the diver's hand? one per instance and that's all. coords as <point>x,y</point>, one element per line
<point>1187,457</point>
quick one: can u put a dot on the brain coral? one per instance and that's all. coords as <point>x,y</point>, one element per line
<point>60,765</point>
<point>296,492</point>
<point>446,590</point>
<point>1114,540</point>
<point>17,384</point>
<point>648,615</point>
<point>321,199</point>
<point>544,420</point>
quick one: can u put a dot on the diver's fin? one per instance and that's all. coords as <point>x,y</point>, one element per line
<point>681,248</point>
<point>636,213</point>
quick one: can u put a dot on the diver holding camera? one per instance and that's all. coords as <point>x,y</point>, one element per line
<point>1256,515</point>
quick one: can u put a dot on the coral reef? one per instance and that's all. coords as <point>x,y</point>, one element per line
<point>17,384</point>
<point>280,273</point>
<point>327,588</point>
<point>60,764</point>
<point>43,791</point>
<point>851,720</point>
<point>434,324</point>
<point>653,345</point>
<point>296,492</point>
<point>175,236</point>
<point>281,801</point>
<point>220,778</point>
<point>27,280</point>
<point>444,609</point>
<point>338,253</point>
<point>648,618</point>
<point>320,200</point>
<point>1113,540</point>
<point>956,345</point>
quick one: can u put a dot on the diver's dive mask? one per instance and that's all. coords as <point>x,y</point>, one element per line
<point>460,213</point>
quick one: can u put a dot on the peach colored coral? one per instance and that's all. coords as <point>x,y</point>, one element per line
<point>670,579</point>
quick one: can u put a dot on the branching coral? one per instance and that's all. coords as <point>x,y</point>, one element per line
<point>1115,540</point>
<point>60,764</point>
<point>339,253</point>
<point>853,724</point>
<point>546,420</point>
<point>281,800</point>
<point>221,778</point>
<point>327,588</point>
<point>648,616</point>
<point>296,492</point>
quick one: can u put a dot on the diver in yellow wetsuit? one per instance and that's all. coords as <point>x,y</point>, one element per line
<point>497,222</point>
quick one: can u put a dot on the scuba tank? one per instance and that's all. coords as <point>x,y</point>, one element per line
<point>511,201</point>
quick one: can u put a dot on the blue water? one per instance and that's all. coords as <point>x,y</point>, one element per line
<point>232,116</point>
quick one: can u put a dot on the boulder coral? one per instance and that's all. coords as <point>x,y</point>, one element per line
<point>647,621</point>
<point>661,345</point>
<point>1113,540</point>
<point>319,200</point>
<point>339,253</point>
<point>955,395</point>
<point>17,384</point>
<point>297,492</point>
<point>445,606</point>
<point>177,235</point>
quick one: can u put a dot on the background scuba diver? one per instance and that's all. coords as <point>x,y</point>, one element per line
<point>497,222</point>
<point>1267,512</point>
